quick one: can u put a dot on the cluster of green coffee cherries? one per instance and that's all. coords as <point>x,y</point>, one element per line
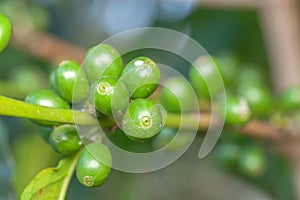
<point>120,93</point>
<point>113,90</point>
<point>242,155</point>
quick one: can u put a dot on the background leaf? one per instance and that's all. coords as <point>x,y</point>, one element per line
<point>51,183</point>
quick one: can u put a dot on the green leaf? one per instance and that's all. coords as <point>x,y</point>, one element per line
<point>24,148</point>
<point>51,183</point>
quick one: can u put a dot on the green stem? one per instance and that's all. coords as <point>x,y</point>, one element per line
<point>67,180</point>
<point>16,108</point>
<point>188,121</point>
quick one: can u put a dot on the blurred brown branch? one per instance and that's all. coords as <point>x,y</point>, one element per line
<point>45,46</point>
<point>265,130</point>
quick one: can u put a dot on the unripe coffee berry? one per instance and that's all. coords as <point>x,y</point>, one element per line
<point>141,76</point>
<point>93,166</point>
<point>142,120</point>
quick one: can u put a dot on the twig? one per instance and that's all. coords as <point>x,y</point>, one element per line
<point>45,46</point>
<point>16,108</point>
<point>264,130</point>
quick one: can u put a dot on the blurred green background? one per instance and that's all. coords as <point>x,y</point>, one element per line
<point>232,34</point>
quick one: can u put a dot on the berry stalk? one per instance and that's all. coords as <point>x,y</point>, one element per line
<point>16,108</point>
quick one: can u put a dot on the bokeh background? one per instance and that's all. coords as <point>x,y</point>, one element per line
<point>244,34</point>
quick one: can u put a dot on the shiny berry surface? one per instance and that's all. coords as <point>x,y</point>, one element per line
<point>258,97</point>
<point>141,76</point>
<point>70,81</point>
<point>176,95</point>
<point>47,98</point>
<point>93,166</point>
<point>142,119</point>
<point>65,139</point>
<point>102,60</point>
<point>205,77</point>
<point>5,31</point>
<point>110,95</point>
<point>237,110</point>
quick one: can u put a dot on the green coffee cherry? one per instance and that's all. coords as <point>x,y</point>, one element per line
<point>289,99</point>
<point>228,155</point>
<point>205,73</point>
<point>237,111</point>
<point>142,120</point>
<point>93,166</point>
<point>252,162</point>
<point>109,95</point>
<point>250,74</point>
<point>176,95</point>
<point>141,76</point>
<point>5,31</point>
<point>258,97</point>
<point>47,98</point>
<point>102,60</point>
<point>70,82</point>
<point>229,65</point>
<point>65,139</point>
